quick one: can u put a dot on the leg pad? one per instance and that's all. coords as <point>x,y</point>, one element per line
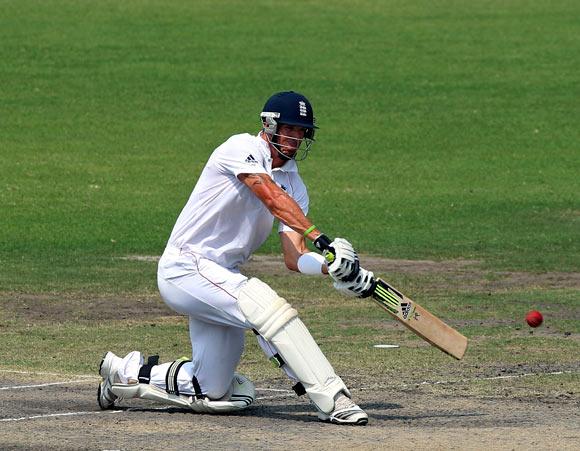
<point>242,395</point>
<point>278,322</point>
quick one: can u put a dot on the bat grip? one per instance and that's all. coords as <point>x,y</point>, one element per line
<point>322,243</point>
<point>371,290</point>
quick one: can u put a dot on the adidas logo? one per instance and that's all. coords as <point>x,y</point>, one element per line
<point>405,309</point>
<point>251,159</point>
<point>302,106</point>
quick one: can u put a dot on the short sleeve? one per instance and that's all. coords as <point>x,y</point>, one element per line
<point>240,155</point>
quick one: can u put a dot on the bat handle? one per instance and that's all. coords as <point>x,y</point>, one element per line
<point>371,290</point>
<point>322,243</point>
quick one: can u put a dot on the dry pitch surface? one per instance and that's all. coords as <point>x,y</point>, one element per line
<point>56,411</point>
<point>66,416</point>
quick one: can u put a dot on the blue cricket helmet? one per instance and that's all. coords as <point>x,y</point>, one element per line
<point>290,108</point>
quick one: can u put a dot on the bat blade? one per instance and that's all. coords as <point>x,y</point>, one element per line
<point>419,320</point>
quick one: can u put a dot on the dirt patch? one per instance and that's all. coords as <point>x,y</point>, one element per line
<point>66,417</point>
<point>40,309</point>
<point>444,412</point>
<point>459,275</point>
<point>274,264</point>
<point>467,275</point>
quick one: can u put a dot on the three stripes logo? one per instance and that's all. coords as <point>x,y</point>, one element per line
<point>247,400</point>
<point>394,301</point>
<point>406,309</point>
<point>251,159</point>
<point>302,106</point>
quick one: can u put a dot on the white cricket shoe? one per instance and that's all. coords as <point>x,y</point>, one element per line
<point>345,412</point>
<point>108,371</point>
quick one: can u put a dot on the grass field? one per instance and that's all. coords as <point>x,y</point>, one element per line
<point>448,140</point>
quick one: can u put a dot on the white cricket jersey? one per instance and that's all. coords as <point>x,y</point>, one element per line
<point>223,219</point>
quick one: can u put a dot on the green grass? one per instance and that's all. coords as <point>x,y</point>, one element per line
<point>447,131</point>
<point>345,329</point>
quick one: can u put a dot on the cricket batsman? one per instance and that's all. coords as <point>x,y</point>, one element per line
<point>248,181</point>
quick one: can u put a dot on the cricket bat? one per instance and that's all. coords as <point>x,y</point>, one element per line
<point>412,315</point>
<point>420,321</point>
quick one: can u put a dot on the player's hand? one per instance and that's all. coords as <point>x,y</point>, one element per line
<point>342,260</point>
<point>361,286</point>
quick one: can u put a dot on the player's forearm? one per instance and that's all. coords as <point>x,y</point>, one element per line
<point>339,253</point>
<point>279,203</point>
<point>297,256</point>
<point>286,210</point>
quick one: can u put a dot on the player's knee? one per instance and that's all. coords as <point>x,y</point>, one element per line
<point>228,388</point>
<point>217,386</point>
<point>264,309</point>
<point>214,385</point>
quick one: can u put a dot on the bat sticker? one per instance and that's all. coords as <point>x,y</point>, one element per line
<point>424,324</point>
<point>407,309</point>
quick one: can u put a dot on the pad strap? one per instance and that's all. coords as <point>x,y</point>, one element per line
<point>299,389</point>
<point>171,385</point>
<point>145,371</point>
<point>197,388</point>
<point>277,360</point>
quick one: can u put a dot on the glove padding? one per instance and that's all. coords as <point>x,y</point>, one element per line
<point>345,265</point>
<point>358,287</point>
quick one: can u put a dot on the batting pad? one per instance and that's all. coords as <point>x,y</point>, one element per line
<point>276,321</point>
<point>241,394</point>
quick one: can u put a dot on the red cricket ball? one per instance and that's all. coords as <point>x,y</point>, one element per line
<point>534,318</point>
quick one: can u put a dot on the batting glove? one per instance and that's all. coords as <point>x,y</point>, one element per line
<point>359,287</point>
<point>342,260</point>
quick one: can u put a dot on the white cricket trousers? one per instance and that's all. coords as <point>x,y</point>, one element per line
<point>208,293</point>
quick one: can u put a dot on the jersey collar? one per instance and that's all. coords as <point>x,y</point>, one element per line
<point>289,166</point>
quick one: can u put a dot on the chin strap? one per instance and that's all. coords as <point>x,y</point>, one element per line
<point>270,138</point>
